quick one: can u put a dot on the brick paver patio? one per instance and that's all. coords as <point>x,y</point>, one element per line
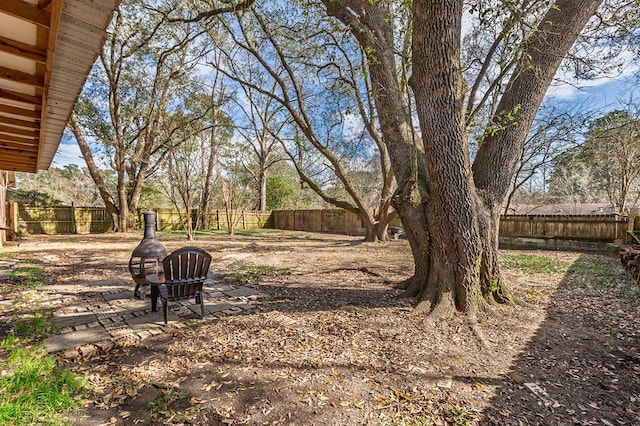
<point>92,316</point>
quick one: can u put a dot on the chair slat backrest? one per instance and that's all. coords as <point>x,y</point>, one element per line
<point>185,271</point>
<point>186,263</point>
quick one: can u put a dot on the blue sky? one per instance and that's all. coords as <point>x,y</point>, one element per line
<point>68,153</point>
<point>599,96</point>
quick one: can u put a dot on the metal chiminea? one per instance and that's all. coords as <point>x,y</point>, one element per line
<point>146,258</point>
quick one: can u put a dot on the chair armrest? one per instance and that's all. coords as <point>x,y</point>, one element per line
<point>153,279</point>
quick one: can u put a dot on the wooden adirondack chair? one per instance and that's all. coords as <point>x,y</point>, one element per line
<point>185,271</point>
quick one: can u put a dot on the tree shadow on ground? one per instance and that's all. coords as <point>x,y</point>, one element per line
<point>582,366</point>
<point>324,332</point>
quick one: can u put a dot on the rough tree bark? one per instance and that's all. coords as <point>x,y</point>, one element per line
<point>450,209</point>
<point>216,114</point>
<point>495,162</point>
<point>109,203</point>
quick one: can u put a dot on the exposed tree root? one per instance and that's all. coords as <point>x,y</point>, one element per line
<point>424,307</point>
<point>363,269</point>
<point>403,285</point>
<point>473,325</point>
<point>412,287</point>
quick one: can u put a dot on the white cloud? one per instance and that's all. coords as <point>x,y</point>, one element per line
<point>569,88</point>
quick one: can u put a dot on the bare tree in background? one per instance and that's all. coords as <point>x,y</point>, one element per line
<point>122,116</point>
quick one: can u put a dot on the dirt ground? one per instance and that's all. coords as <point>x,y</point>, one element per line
<point>333,344</point>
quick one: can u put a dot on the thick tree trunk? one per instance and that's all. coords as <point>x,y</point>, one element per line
<point>493,288</point>
<point>262,184</point>
<point>370,227</point>
<point>455,249</point>
<point>189,228</point>
<point>498,154</point>
<point>414,219</point>
<point>371,26</point>
<point>109,203</point>
<point>449,210</point>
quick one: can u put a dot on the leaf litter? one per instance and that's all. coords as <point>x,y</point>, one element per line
<point>334,344</point>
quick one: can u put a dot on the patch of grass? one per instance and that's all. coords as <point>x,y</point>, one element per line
<point>597,274</point>
<point>33,389</point>
<point>250,274</point>
<point>24,301</point>
<point>530,263</point>
<point>9,343</point>
<point>250,232</point>
<point>597,266</point>
<point>535,293</point>
<point>221,232</point>
<point>33,327</point>
<point>160,407</point>
<point>28,277</point>
<point>7,255</point>
<point>590,273</point>
<point>461,416</point>
<point>410,421</point>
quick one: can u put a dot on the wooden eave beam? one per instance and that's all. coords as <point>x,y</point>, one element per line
<point>16,142</point>
<point>19,155</point>
<point>21,77</point>
<point>11,121</point>
<point>47,39</point>
<point>21,112</point>
<point>18,164</point>
<point>21,97</point>
<point>21,158</point>
<point>26,12</point>
<point>17,131</point>
<point>22,50</point>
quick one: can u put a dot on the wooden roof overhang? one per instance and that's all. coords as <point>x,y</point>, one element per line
<point>47,49</point>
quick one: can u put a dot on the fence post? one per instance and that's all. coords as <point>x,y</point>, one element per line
<point>14,215</point>
<point>74,224</point>
<point>631,224</point>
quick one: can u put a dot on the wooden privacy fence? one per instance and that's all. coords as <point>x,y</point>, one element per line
<point>84,220</point>
<point>70,220</point>
<point>170,220</point>
<point>330,220</point>
<point>599,228</point>
<point>61,220</point>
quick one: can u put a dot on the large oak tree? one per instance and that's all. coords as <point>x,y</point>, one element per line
<point>448,199</point>
<point>450,205</point>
